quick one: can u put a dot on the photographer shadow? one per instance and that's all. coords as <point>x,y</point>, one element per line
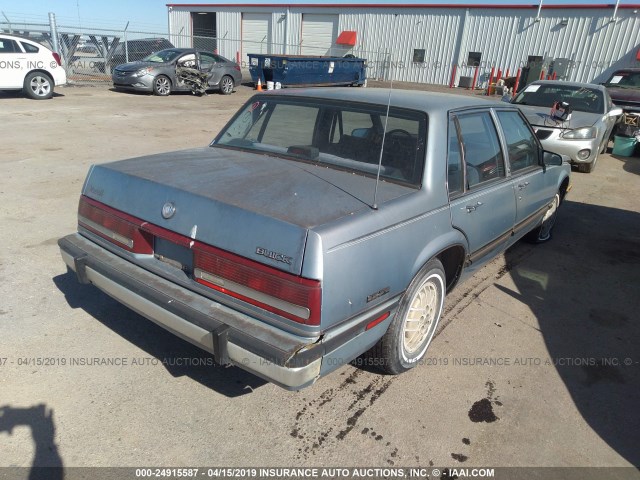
<point>47,463</point>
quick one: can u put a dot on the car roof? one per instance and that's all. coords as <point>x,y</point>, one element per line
<point>561,83</point>
<point>431,102</point>
<point>20,37</point>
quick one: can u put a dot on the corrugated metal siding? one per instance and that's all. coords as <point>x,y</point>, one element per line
<point>228,25</point>
<point>589,38</point>
<point>504,36</point>
<point>180,28</point>
<point>388,42</point>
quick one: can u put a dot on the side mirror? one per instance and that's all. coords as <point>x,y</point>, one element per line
<point>615,112</point>
<point>552,159</point>
<point>506,98</point>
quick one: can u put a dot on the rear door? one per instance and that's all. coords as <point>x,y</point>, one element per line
<point>209,64</point>
<point>482,200</point>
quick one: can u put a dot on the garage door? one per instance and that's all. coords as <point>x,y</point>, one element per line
<point>319,33</point>
<point>256,33</point>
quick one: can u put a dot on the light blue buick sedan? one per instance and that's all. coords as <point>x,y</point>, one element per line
<point>318,226</point>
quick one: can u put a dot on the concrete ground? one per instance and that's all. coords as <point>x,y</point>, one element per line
<point>536,362</point>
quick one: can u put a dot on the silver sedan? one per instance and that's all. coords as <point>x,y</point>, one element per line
<point>573,119</point>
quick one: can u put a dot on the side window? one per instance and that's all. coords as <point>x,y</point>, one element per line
<point>455,172</point>
<point>8,46</point>
<point>521,144</point>
<point>482,154</point>
<point>29,48</point>
<point>351,124</point>
<point>207,61</point>
<point>299,121</point>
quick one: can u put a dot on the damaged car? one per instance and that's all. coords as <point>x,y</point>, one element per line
<point>319,225</point>
<point>159,72</point>
<point>570,118</point>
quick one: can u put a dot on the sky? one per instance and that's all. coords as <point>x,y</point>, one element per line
<point>151,15</point>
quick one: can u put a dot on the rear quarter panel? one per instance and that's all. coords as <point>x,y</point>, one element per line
<point>374,250</point>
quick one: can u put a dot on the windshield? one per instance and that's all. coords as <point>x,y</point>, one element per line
<point>624,79</point>
<point>581,99</point>
<point>163,56</point>
<point>332,134</point>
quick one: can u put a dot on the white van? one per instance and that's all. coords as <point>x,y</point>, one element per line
<point>29,66</point>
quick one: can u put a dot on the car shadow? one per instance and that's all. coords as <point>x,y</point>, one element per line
<point>631,164</point>
<point>583,288</point>
<point>47,463</point>
<point>176,355</point>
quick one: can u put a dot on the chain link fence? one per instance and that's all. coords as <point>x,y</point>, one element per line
<point>90,55</point>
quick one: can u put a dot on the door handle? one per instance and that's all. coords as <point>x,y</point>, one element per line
<point>473,208</point>
<point>522,186</point>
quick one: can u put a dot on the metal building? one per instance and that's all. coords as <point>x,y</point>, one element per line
<point>423,43</point>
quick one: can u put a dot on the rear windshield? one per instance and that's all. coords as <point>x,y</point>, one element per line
<point>345,136</point>
<point>581,99</point>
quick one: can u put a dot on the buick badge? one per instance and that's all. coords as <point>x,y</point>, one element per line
<point>168,210</point>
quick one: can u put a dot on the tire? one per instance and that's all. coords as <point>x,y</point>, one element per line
<point>543,232</point>
<point>226,85</point>
<point>161,85</point>
<point>587,167</point>
<point>38,86</point>
<point>410,333</point>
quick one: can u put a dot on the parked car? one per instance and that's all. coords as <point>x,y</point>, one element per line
<point>582,136</point>
<point>29,66</point>
<point>136,50</point>
<point>624,88</point>
<point>306,234</point>
<point>157,72</point>
<point>89,59</point>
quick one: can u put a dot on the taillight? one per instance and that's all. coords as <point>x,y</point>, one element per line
<point>117,227</point>
<point>57,58</point>
<point>237,67</point>
<point>284,294</point>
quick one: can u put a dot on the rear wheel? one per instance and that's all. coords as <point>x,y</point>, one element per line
<point>162,86</point>
<point>410,333</point>
<point>226,85</point>
<point>38,85</point>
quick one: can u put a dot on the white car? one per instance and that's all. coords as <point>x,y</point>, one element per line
<point>29,66</point>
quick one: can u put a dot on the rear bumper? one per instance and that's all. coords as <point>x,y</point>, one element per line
<point>232,337</point>
<point>288,360</point>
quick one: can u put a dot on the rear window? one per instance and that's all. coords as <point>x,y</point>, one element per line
<point>29,48</point>
<point>337,135</point>
<point>624,79</point>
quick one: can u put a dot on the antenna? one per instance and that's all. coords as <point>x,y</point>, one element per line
<point>386,120</point>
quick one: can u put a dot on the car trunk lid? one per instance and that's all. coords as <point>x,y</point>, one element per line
<point>257,206</point>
